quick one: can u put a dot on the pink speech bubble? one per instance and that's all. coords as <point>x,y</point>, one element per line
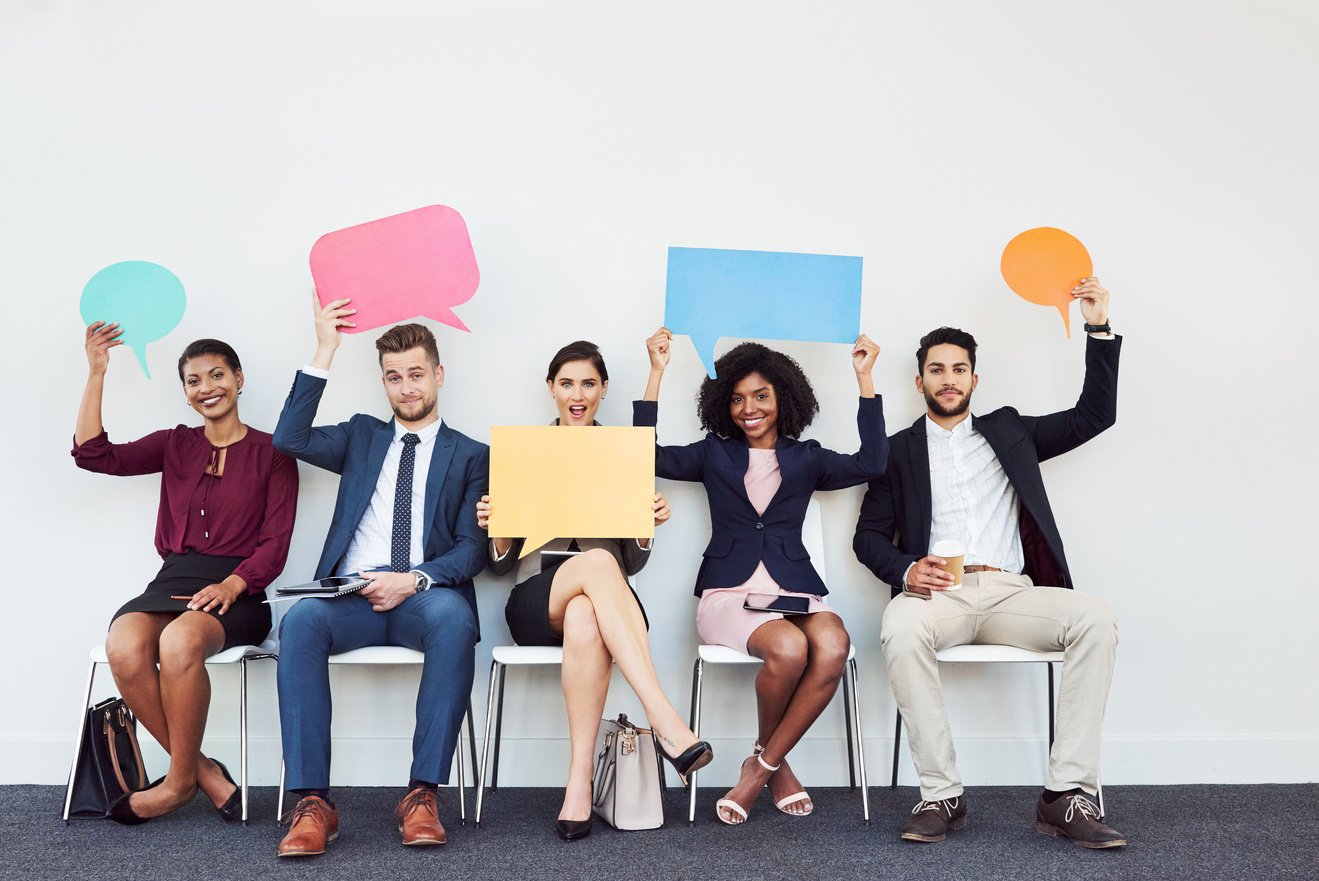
<point>415,263</point>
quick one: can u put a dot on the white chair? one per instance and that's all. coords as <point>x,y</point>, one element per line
<point>239,654</point>
<point>813,538</point>
<point>505,656</point>
<point>392,655</point>
<point>992,654</point>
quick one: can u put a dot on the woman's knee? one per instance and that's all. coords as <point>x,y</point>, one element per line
<point>829,649</point>
<point>599,569</point>
<point>785,651</point>
<point>131,650</point>
<point>188,641</point>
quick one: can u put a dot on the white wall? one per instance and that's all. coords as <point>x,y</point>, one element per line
<point>580,140</point>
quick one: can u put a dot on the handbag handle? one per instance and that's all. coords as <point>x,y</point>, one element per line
<point>112,742</point>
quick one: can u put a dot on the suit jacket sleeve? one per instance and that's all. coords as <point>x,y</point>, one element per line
<point>875,531</point>
<point>1095,410</point>
<point>634,558</point>
<point>841,470</point>
<point>462,562</point>
<point>324,446</point>
<point>674,463</point>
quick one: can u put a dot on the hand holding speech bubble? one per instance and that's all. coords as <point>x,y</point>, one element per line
<point>416,263</point>
<point>548,482</point>
<point>146,299</point>
<point>771,295</point>
<point>1042,265</point>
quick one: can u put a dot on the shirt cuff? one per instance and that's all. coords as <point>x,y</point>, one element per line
<point>315,371</point>
<point>645,548</point>
<point>499,557</point>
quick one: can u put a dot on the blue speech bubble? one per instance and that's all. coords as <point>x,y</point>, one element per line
<point>145,298</point>
<point>770,295</point>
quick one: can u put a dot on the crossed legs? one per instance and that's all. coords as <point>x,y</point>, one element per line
<point>158,661</point>
<point>593,607</point>
<point>804,658</point>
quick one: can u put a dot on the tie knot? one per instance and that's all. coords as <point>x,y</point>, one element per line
<point>411,439</point>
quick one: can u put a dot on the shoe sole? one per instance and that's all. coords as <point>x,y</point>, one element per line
<point>308,853</point>
<point>953,825</point>
<point>1054,832</point>
<point>423,842</point>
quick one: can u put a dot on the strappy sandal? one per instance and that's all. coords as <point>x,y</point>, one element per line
<point>793,799</point>
<point>734,806</point>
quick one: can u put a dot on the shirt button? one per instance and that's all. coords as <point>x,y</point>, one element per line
<point>760,525</point>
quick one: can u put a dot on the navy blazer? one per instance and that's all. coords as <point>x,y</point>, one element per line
<point>740,538</point>
<point>894,527</point>
<point>452,543</point>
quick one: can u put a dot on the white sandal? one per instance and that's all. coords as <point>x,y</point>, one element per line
<point>782,803</point>
<point>734,806</point>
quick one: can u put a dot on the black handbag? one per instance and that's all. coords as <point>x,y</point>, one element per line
<point>109,762</point>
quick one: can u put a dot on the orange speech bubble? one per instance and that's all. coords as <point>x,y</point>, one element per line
<point>1042,265</point>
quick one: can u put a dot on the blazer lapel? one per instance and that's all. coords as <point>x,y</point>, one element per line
<point>441,456</point>
<point>999,444</point>
<point>918,457</point>
<point>381,438</point>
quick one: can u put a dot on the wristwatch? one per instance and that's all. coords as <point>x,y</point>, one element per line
<point>422,581</point>
<point>1098,328</point>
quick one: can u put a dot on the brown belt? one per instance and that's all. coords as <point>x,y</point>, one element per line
<point>974,569</point>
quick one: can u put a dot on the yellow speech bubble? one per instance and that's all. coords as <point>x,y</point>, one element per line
<point>549,482</point>
<point>1042,265</point>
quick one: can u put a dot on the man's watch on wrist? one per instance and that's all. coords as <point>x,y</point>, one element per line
<point>422,581</point>
<point>1098,328</point>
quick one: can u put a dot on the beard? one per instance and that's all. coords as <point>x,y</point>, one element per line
<point>943,409</point>
<point>415,411</point>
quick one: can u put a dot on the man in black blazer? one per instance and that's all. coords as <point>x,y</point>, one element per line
<point>975,480</point>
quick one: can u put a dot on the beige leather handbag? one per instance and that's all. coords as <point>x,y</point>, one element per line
<point>629,782</point>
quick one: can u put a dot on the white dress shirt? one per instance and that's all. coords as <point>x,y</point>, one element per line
<point>973,502</point>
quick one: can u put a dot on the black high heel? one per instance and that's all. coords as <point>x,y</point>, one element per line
<point>693,758</point>
<point>232,809</point>
<point>121,811</point>
<point>571,830</point>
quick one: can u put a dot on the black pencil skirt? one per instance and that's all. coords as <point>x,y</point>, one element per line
<point>246,623</point>
<point>528,610</point>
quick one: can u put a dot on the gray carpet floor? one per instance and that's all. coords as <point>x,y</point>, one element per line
<point>1204,833</point>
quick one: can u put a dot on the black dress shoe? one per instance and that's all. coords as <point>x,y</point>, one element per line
<point>693,758</point>
<point>232,809</point>
<point>570,830</point>
<point>122,812</point>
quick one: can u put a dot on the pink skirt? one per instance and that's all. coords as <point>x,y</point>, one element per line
<point>721,620</point>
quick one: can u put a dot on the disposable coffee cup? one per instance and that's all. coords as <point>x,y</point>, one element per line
<point>954,555</point>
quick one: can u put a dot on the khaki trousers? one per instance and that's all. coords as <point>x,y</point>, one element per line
<point>1000,608</point>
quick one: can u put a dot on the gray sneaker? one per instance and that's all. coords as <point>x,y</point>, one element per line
<point>930,820</point>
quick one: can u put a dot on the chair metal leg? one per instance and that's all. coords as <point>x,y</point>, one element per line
<point>499,731</point>
<point>1051,725</point>
<point>484,773</point>
<point>860,741</point>
<point>1100,786</point>
<point>242,733</point>
<point>279,808</point>
<point>698,671</point>
<point>471,741</point>
<point>78,740</point>
<point>897,743</point>
<point>847,727</point>
<point>462,784</point>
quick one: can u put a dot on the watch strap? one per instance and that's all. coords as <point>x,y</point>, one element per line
<point>1098,328</point>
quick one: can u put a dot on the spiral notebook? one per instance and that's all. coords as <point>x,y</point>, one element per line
<point>340,585</point>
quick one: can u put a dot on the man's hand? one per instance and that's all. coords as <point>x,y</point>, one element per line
<point>1094,300</point>
<point>925,576</point>
<point>388,589</point>
<point>329,319</point>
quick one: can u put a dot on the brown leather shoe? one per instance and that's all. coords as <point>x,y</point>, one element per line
<point>419,819</point>
<point>931,820</point>
<point>1074,816</point>
<point>313,825</point>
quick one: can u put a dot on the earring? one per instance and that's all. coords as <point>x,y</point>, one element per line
<point>240,391</point>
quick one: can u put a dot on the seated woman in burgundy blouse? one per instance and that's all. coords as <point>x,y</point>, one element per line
<point>227,501</point>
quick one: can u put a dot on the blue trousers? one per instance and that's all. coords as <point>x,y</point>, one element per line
<point>437,622</point>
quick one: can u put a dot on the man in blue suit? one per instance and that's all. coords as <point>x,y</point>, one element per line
<point>405,518</point>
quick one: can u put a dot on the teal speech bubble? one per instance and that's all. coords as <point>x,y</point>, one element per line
<point>146,299</point>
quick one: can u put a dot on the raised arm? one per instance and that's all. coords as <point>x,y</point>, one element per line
<point>326,446</point>
<point>840,470</point>
<point>99,340</point>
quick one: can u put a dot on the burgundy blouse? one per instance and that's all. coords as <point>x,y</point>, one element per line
<point>246,512</point>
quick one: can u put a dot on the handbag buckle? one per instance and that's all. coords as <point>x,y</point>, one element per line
<point>628,740</point>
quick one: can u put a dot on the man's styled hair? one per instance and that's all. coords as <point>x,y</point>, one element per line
<point>946,336</point>
<point>209,347</point>
<point>402,337</point>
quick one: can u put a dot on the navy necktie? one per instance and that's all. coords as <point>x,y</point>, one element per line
<point>400,549</point>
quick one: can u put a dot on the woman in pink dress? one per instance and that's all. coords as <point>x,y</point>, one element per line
<point>759,479</point>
